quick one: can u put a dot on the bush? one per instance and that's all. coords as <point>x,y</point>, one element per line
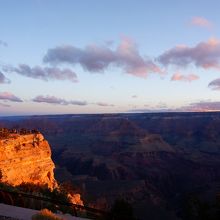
<point>45,214</point>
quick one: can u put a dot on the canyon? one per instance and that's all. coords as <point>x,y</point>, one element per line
<point>160,163</point>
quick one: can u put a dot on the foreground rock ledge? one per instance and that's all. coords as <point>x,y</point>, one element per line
<point>26,158</point>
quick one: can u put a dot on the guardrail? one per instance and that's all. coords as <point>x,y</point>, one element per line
<point>24,200</point>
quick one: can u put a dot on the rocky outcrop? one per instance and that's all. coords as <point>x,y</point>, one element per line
<point>26,159</point>
<point>75,198</point>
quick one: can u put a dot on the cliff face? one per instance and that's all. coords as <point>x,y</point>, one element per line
<point>26,158</point>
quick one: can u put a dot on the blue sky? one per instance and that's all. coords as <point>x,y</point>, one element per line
<point>109,56</point>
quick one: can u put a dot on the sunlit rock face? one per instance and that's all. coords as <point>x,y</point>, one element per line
<point>26,159</point>
<point>75,199</point>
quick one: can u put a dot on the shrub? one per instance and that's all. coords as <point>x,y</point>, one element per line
<point>45,214</point>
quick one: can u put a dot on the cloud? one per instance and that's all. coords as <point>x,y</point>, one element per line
<point>4,105</point>
<point>75,102</point>
<point>148,108</point>
<point>151,110</point>
<point>184,78</point>
<point>203,106</point>
<point>95,58</point>
<point>43,73</point>
<point>215,84</point>
<point>205,55</point>
<point>7,96</point>
<point>58,101</point>
<point>3,43</point>
<point>3,79</point>
<point>201,22</point>
<point>103,104</point>
<point>134,96</point>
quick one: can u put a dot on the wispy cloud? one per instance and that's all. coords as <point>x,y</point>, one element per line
<point>104,104</point>
<point>3,79</point>
<point>3,43</point>
<point>95,58</point>
<point>150,110</point>
<point>159,107</point>
<point>184,78</point>
<point>58,101</point>
<point>43,73</point>
<point>204,55</point>
<point>4,105</point>
<point>134,96</point>
<point>201,22</point>
<point>7,96</point>
<point>203,106</point>
<point>215,84</point>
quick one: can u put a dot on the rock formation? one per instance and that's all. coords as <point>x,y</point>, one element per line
<point>26,159</point>
<point>75,198</point>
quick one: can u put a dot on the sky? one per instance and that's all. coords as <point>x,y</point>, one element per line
<point>99,56</point>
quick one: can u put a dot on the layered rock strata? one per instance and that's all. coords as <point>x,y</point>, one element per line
<point>26,159</point>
